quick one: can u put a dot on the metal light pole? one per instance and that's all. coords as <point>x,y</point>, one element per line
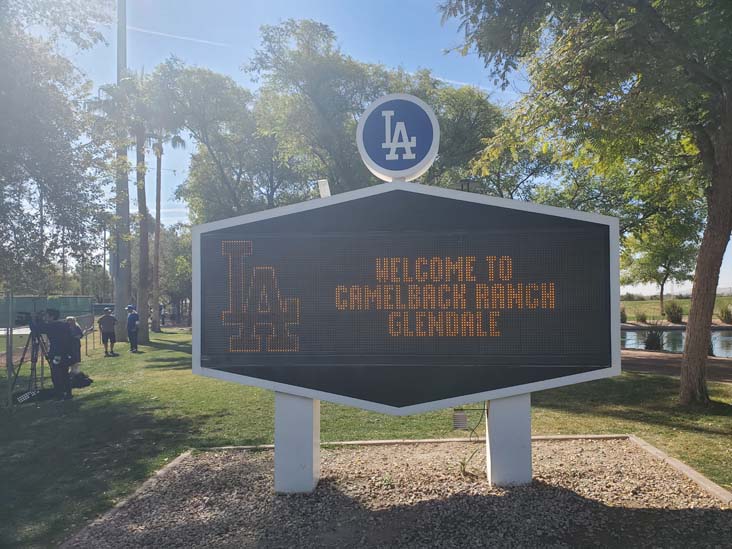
<point>9,346</point>
<point>121,39</point>
<point>122,263</point>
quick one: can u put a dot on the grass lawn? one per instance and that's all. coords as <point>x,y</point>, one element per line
<point>652,308</point>
<point>63,463</point>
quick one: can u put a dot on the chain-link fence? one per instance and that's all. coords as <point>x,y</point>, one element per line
<point>29,369</point>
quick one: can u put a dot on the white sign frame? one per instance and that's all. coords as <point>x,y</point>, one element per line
<point>614,278</point>
<point>410,173</point>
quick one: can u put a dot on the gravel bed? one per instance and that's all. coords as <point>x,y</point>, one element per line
<point>585,493</point>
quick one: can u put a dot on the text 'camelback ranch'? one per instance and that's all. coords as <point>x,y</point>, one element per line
<point>445,296</point>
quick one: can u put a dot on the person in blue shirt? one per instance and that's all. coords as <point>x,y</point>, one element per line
<point>133,323</point>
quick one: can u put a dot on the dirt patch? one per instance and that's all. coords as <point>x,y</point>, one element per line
<point>584,493</point>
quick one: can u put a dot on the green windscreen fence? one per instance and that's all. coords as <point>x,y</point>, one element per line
<point>25,307</point>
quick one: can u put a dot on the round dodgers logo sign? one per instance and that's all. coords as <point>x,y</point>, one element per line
<point>398,137</point>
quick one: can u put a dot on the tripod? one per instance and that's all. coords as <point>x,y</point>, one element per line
<point>38,349</point>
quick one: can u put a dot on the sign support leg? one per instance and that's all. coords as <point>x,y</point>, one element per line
<point>508,440</point>
<point>297,444</point>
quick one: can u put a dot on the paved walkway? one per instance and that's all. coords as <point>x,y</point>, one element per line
<point>718,369</point>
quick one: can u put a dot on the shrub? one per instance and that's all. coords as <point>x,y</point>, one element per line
<point>654,340</point>
<point>623,315</point>
<point>674,312</point>
<point>640,316</point>
<point>725,314</point>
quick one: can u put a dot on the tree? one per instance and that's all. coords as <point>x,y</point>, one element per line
<point>662,253</point>
<point>175,282</point>
<point>217,114</point>
<point>49,178</point>
<point>466,117</point>
<point>614,75</point>
<point>166,126</point>
<point>239,164</point>
<point>175,141</point>
<point>509,166</point>
<point>128,114</point>
<point>320,93</point>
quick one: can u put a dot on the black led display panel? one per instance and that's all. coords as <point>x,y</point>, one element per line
<point>400,298</point>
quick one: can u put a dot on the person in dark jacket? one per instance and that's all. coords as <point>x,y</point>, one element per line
<point>133,323</point>
<point>76,333</point>
<point>60,343</point>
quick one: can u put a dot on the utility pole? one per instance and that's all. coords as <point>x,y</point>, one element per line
<point>9,346</point>
<point>104,262</point>
<point>122,263</point>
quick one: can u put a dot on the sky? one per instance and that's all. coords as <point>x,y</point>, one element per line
<point>223,34</point>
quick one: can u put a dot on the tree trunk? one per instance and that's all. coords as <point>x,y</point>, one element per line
<point>706,277</point>
<point>156,251</point>
<point>122,265</point>
<point>143,290</point>
<point>663,284</point>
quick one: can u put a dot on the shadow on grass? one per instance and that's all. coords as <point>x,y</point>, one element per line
<point>643,398</point>
<point>170,363</point>
<point>170,346</point>
<point>535,516</point>
<point>63,462</point>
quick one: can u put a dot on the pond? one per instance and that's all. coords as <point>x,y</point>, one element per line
<point>674,341</point>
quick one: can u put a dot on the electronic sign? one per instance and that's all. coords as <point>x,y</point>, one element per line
<point>402,298</point>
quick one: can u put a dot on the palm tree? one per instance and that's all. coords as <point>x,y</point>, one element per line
<point>112,122</point>
<point>176,142</point>
<point>167,125</point>
<point>127,109</point>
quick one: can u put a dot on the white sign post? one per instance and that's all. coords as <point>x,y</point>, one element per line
<point>508,440</point>
<point>297,443</point>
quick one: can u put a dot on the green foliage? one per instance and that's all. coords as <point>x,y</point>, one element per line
<point>319,94</point>
<point>641,317</point>
<point>654,340</point>
<point>466,117</point>
<point>629,296</point>
<point>623,315</point>
<point>175,264</point>
<point>238,165</point>
<point>49,181</point>
<point>255,152</point>
<point>674,312</point>
<point>641,88</point>
<point>662,250</point>
<point>725,314</point>
<point>77,21</point>
<point>613,74</point>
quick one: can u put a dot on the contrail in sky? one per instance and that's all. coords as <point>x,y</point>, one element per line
<point>224,45</point>
<point>460,83</point>
<point>178,37</point>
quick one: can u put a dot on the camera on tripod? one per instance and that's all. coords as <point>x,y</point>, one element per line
<point>33,320</point>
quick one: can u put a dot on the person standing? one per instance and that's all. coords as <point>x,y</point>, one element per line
<point>133,323</point>
<point>76,334</point>
<point>59,353</point>
<point>106,326</point>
